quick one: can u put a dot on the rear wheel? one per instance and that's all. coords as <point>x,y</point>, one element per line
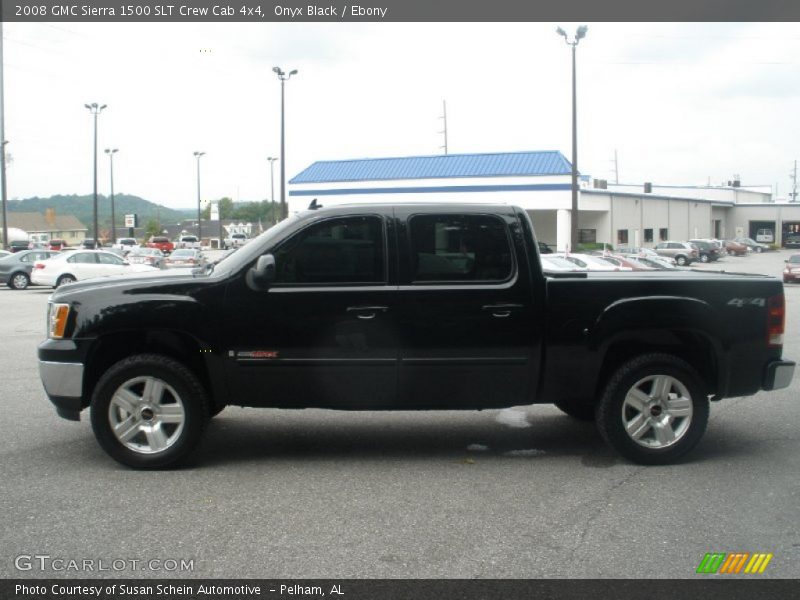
<point>681,260</point>
<point>149,411</point>
<point>65,279</point>
<point>704,258</point>
<point>19,281</point>
<point>759,249</point>
<point>654,409</point>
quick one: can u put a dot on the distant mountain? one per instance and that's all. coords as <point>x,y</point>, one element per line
<point>82,208</point>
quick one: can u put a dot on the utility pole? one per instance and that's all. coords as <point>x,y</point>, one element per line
<point>616,167</point>
<point>3,143</point>
<point>793,175</point>
<point>444,118</point>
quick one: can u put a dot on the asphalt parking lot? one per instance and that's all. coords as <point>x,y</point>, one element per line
<point>524,492</point>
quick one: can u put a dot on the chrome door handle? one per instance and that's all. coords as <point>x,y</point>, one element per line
<point>366,312</point>
<point>501,311</point>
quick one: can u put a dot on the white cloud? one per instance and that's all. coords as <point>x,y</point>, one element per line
<point>680,102</point>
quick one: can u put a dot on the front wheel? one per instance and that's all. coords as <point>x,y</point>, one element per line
<point>681,260</point>
<point>65,279</point>
<point>19,281</point>
<point>704,258</point>
<point>654,409</point>
<point>759,249</point>
<point>149,411</point>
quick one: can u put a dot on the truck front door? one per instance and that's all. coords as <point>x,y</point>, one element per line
<point>323,333</point>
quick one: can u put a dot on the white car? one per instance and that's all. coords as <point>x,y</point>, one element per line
<point>557,264</point>
<point>126,244</point>
<point>592,263</point>
<point>82,264</point>
<point>188,241</point>
<point>235,240</point>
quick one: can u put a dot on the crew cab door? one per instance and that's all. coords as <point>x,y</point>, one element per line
<point>323,332</point>
<point>470,333</point>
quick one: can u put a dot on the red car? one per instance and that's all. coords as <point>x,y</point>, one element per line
<point>56,245</point>
<point>162,243</point>
<point>791,272</point>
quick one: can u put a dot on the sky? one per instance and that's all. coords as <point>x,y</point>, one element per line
<point>680,103</point>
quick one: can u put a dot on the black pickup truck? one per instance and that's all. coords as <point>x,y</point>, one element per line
<point>387,307</point>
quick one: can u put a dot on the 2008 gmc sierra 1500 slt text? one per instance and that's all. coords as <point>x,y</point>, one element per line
<point>416,306</point>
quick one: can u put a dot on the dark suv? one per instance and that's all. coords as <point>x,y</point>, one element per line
<point>708,252</point>
<point>18,245</point>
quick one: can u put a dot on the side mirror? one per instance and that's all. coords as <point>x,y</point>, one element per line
<point>264,269</point>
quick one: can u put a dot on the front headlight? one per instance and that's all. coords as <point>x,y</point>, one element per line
<point>57,315</point>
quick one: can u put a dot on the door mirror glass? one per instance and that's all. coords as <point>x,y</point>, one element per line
<point>264,271</point>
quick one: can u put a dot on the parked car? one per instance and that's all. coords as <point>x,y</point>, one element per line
<point>56,244</point>
<point>791,272</point>
<point>162,243</point>
<point>89,244</point>
<point>15,269</point>
<point>235,240</point>
<point>662,263</point>
<point>146,256</point>
<point>752,244</point>
<point>736,248</point>
<point>709,252</point>
<point>635,251</point>
<point>334,309</point>
<point>558,264</point>
<point>792,240</point>
<point>624,261</point>
<point>67,267</point>
<point>184,257</point>
<point>4,253</point>
<point>188,241</point>
<point>591,263</point>
<point>18,245</point>
<point>683,252</point>
<point>126,244</point>
<point>765,236</point>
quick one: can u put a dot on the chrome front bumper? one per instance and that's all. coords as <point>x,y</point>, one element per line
<point>63,383</point>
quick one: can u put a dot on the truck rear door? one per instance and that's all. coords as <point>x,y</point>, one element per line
<point>467,322</point>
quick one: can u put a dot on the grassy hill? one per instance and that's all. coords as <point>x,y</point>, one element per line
<point>82,208</point>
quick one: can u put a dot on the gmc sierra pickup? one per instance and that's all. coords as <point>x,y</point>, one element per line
<point>384,307</point>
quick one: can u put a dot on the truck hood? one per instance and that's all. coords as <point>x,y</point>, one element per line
<point>130,282</point>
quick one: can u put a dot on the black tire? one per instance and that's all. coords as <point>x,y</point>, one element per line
<point>759,249</point>
<point>704,258</point>
<point>581,412</point>
<point>184,394</point>
<point>19,281</point>
<point>65,279</point>
<point>681,260</point>
<point>654,422</point>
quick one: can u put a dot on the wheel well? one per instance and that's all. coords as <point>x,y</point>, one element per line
<point>693,348</point>
<point>112,348</point>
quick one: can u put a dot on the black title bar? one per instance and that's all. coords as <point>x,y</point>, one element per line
<point>255,11</point>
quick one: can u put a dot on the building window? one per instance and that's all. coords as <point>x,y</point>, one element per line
<point>648,236</point>
<point>622,236</point>
<point>587,236</point>
<point>663,234</point>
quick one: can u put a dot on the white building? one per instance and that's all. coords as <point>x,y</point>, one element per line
<point>540,183</point>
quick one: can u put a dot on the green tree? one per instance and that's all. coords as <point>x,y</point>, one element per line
<point>152,229</point>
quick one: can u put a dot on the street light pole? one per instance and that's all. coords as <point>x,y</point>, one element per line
<point>580,33</point>
<point>283,77</point>
<point>197,155</point>
<point>110,152</point>
<point>95,110</point>
<point>272,160</point>
<point>3,143</point>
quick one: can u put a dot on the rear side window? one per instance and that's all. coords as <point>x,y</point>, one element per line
<point>82,257</point>
<point>347,250</point>
<point>465,248</point>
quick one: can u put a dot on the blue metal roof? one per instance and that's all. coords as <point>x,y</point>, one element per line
<point>442,166</point>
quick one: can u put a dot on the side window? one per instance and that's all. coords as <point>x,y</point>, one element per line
<point>344,250</point>
<point>459,248</point>
<point>83,258</point>
<point>29,258</point>
<point>108,259</point>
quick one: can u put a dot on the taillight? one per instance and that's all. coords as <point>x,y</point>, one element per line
<point>39,265</point>
<point>776,316</point>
